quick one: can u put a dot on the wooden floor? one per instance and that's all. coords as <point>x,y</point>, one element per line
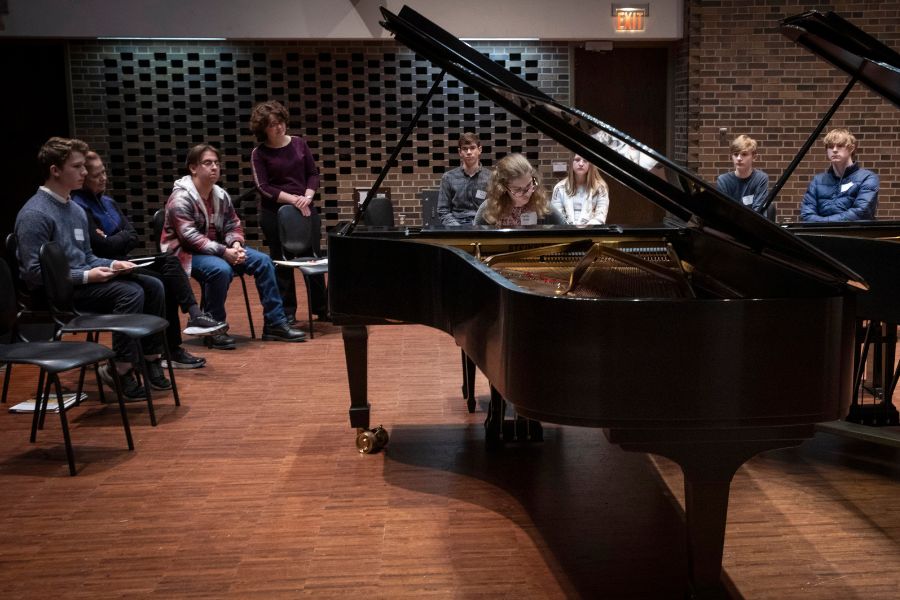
<point>253,489</point>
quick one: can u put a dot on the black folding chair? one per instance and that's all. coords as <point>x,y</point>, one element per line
<point>52,358</point>
<point>379,212</point>
<point>33,321</point>
<point>60,294</point>
<point>296,234</point>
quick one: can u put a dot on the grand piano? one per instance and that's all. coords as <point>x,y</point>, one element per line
<point>870,248</point>
<point>706,342</point>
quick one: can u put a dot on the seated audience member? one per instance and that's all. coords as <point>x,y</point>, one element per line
<point>745,184</point>
<point>285,172</point>
<point>516,197</point>
<point>582,197</point>
<point>112,236</point>
<point>99,284</point>
<point>845,192</point>
<point>464,188</point>
<point>204,232</point>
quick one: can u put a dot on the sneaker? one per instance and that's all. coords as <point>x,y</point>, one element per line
<point>158,379</point>
<point>182,359</point>
<point>283,333</point>
<point>131,389</point>
<point>204,324</point>
<point>220,341</point>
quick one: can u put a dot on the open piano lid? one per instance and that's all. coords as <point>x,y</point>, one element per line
<point>678,191</point>
<point>848,48</point>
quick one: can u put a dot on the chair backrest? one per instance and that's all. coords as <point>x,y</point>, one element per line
<point>8,303</point>
<point>12,263</point>
<point>379,212</point>
<point>429,208</point>
<point>57,278</point>
<point>296,232</point>
<point>159,220</point>
<point>29,300</point>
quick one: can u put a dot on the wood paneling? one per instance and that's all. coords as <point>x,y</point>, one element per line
<point>627,88</point>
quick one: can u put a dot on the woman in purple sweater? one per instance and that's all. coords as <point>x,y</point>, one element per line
<point>285,172</point>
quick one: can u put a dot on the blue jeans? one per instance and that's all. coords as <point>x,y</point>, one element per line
<point>215,275</point>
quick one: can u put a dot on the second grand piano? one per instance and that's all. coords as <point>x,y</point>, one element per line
<point>705,343</point>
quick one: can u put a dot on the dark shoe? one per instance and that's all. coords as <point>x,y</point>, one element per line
<point>182,359</point>
<point>158,379</point>
<point>283,333</point>
<point>204,324</point>
<point>325,317</point>
<point>131,389</point>
<point>220,341</point>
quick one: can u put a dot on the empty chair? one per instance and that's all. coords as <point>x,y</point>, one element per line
<point>430,216</point>
<point>136,326</point>
<point>52,358</point>
<point>296,234</point>
<point>379,212</point>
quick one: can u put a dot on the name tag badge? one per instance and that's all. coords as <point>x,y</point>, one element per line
<point>529,218</point>
<point>747,200</point>
<point>846,186</point>
<point>79,235</point>
<point>481,194</point>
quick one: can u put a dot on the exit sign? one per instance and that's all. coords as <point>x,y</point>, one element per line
<point>630,17</point>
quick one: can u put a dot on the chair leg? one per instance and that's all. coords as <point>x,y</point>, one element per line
<point>38,401</point>
<point>6,377</point>
<point>100,391</point>
<point>247,304</point>
<point>309,305</point>
<point>121,399</point>
<point>142,360</point>
<point>45,399</point>
<point>80,384</point>
<point>171,369</point>
<point>64,422</point>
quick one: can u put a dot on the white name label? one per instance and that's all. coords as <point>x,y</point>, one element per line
<point>529,218</point>
<point>846,186</point>
<point>747,200</point>
<point>481,194</point>
<point>79,235</point>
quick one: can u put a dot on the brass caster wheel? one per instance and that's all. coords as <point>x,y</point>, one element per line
<point>371,440</point>
<point>381,437</point>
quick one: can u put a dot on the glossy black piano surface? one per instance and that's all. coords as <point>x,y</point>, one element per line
<point>739,341</point>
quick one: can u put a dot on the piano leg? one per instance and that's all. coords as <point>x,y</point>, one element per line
<point>356,352</point>
<point>493,424</point>
<point>468,385</point>
<point>708,463</point>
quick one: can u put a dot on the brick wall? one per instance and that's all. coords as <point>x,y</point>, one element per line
<point>744,75</point>
<point>143,105</point>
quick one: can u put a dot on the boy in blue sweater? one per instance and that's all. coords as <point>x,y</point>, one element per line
<point>99,283</point>
<point>745,184</point>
